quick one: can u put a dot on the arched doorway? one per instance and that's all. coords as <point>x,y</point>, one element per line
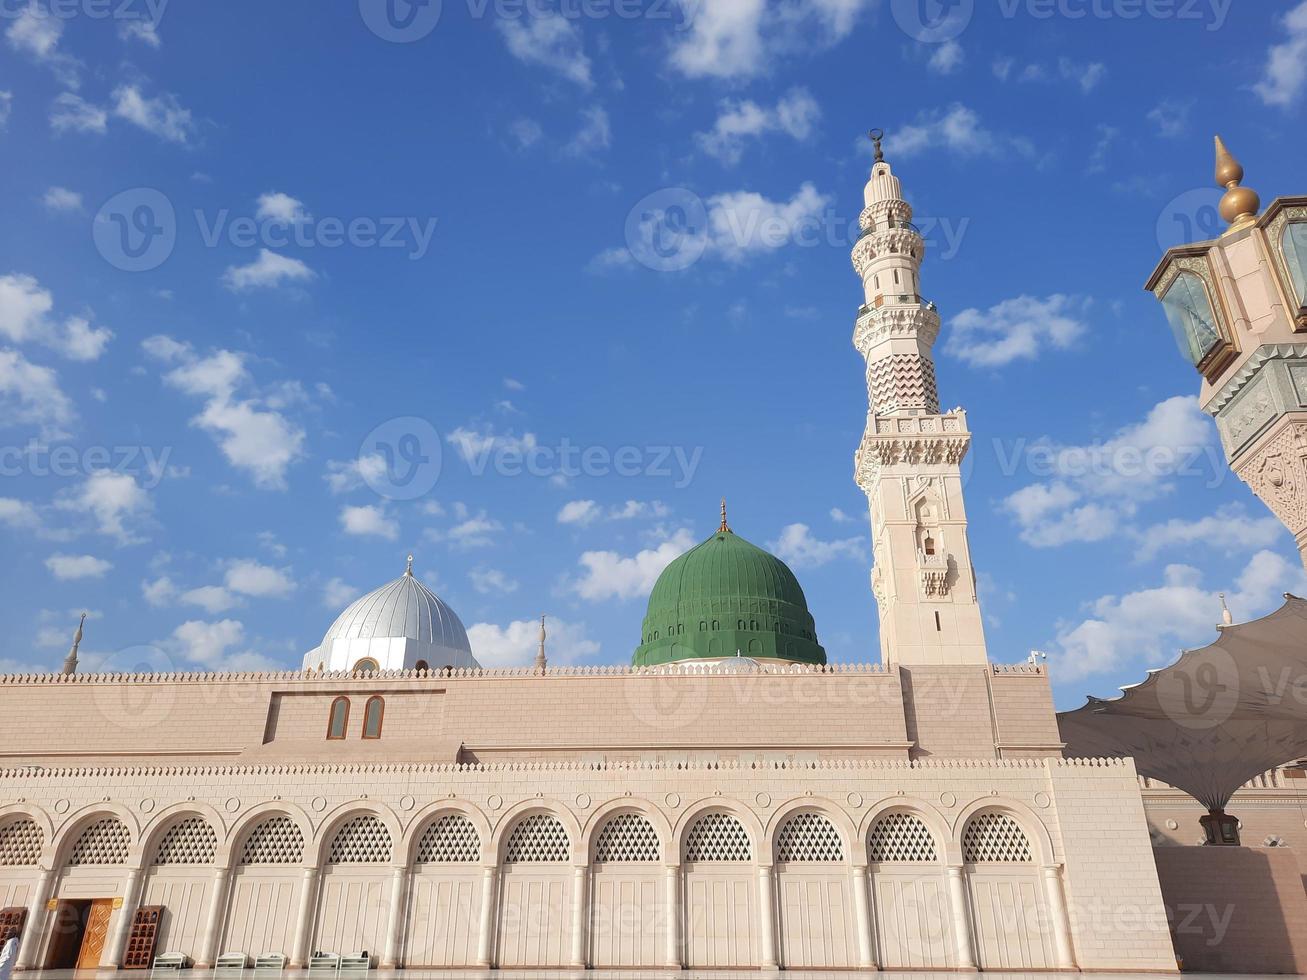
<point>91,877</point>
<point>179,877</point>
<point>535,894</point>
<point>909,895</point>
<point>1010,918</point>
<point>445,902</point>
<point>721,893</point>
<point>265,888</point>
<point>628,920</point>
<point>818,928</point>
<point>354,903</point>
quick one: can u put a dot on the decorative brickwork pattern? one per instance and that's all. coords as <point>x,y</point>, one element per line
<point>361,840</point>
<point>450,840</point>
<point>104,842</point>
<point>995,837</point>
<point>538,838</point>
<point>21,843</point>
<point>628,838</point>
<point>809,837</point>
<point>192,841</point>
<point>275,841</point>
<point>903,381</point>
<point>900,838</point>
<point>718,837</point>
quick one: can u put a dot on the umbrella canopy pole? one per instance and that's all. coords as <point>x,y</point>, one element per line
<point>1220,829</point>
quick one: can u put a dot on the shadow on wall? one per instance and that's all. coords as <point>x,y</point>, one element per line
<point>1235,909</point>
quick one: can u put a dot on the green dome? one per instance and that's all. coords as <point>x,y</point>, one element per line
<point>723,597</point>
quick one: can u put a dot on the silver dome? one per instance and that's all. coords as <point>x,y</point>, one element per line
<point>402,609</point>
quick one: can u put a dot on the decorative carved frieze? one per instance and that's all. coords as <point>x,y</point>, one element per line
<point>895,322</point>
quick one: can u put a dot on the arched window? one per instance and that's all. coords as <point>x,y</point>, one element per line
<point>1294,244</point>
<point>1192,319</point>
<point>900,837</point>
<point>809,837</point>
<point>538,838</point>
<point>361,840</point>
<point>451,839</point>
<point>717,837</point>
<point>993,836</point>
<point>189,841</point>
<point>367,666</point>
<point>21,842</point>
<point>627,838</point>
<point>104,842</point>
<point>275,841</point>
<point>338,719</point>
<point>372,712</point>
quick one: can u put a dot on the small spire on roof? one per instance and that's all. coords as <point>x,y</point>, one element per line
<point>877,135</point>
<point>1227,619</point>
<point>725,528</point>
<point>541,663</point>
<point>70,661</point>
<point>1240,205</point>
<point>409,571</point>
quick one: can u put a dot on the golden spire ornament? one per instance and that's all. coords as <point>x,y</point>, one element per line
<point>1240,205</point>
<point>725,528</point>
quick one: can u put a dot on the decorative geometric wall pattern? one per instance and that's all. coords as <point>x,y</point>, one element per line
<point>450,840</point>
<point>809,837</point>
<point>275,841</point>
<point>192,841</point>
<point>538,838</point>
<point>900,837</point>
<point>104,842</point>
<point>361,840</point>
<point>21,842</point>
<point>718,837</point>
<point>627,837</point>
<point>994,836</point>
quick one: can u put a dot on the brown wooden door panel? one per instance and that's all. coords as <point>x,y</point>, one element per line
<point>97,932</point>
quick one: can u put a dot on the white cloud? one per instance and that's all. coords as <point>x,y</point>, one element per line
<point>36,32</point>
<point>6,107</point>
<point>1016,330</point>
<point>582,512</point>
<point>1231,530</point>
<point>1086,76</point>
<point>476,445</point>
<point>736,39</point>
<point>794,115</point>
<point>1149,628</point>
<point>957,129</point>
<point>473,530</point>
<point>336,594</point>
<point>549,40</point>
<point>268,271</point>
<point>251,433</point>
<point>609,575</point>
<point>947,59</point>
<point>208,644</point>
<point>18,514</point>
<point>491,581</point>
<point>1171,117</point>
<point>745,223</point>
<point>595,133</point>
<point>839,517</point>
<point>525,132</point>
<point>1107,137</point>
<point>587,512</point>
<point>68,568</point>
<point>30,394</point>
<point>71,113</point>
<point>369,521</point>
<point>1286,63</point>
<point>1094,491</point>
<point>161,115</point>
<point>116,503</point>
<point>282,209</point>
<point>250,578</point>
<point>512,384</point>
<point>798,548</point>
<point>159,592</point>
<point>61,199</point>
<point>25,308</point>
<point>145,31</point>
<point>350,474</point>
<point>211,598</point>
<point>516,644</point>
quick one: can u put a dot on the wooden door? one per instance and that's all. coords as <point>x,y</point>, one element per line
<point>97,931</point>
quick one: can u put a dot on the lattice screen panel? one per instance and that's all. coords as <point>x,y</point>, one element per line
<point>21,842</point>
<point>361,840</point>
<point>627,837</point>
<point>538,838</point>
<point>809,837</point>
<point>104,842</point>
<point>192,841</point>
<point>718,837</point>
<point>995,837</point>
<point>900,837</point>
<point>275,841</point>
<point>451,839</point>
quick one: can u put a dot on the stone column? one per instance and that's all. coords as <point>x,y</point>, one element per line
<point>395,924</point>
<point>672,914</point>
<point>1057,912</point>
<point>486,936</point>
<point>580,902</point>
<point>859,882</point>
<point>213,921</point>
<point>300,952</point>
<point>29,944</point>
<point>766,918</point>
<point>957,896</point>
<point>113,953</point>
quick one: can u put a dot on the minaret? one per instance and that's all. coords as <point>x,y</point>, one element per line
<point>541,663</point>
<point>909,464</point>
<point>70,661</point>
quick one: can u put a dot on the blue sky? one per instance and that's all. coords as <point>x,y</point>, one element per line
<point>249,249</point>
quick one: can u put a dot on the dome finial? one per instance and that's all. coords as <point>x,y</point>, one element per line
<point>1227,618</point>
<point>409,570</point>
<point>1241,204</point>
<point>877,136</point>
<point>725,528</point>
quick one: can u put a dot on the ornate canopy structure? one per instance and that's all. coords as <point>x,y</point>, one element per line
<point>1215,718</point>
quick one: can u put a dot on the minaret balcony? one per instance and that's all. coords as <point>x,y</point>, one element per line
<point>934,574</point>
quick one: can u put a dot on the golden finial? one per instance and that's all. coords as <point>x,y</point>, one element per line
<point>725,528</point>
<point>409,570</point>
<point>1240,205</point>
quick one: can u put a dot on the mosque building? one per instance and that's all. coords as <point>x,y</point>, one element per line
<point>728,800</point>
